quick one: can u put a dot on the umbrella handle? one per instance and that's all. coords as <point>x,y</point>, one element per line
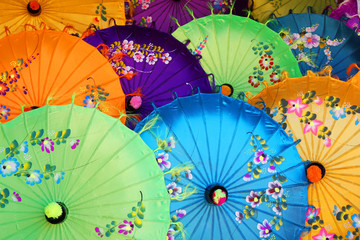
<point>213,80</point>
<point>174,95</point>
<point>29,25</point>
<point>112,19</point>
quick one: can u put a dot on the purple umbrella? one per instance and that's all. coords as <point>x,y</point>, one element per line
<point>151,65</point>
<point>158,13</point>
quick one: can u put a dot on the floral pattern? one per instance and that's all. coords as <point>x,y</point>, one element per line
<point>5,196</point>
<point>275,189</point>
<point>266,65</point>
<point>254,199</point>
<point>264,229</point>
<point>173,189</point>
<point>307,40</point>
<point>4,112</point>
<point>126,226</point>
<point>200,47</point>
<point>47,145</point>
<point>9,166</point>
<point>324,235</point>
<point>300,107</point>
<point>239,217</point>
<point>35,177</point>
<point>260,157</point>
<point>162,160</point>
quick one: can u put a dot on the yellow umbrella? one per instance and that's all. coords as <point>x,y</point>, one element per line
<point>324,113</point>
<point>262,9</point>
<point>56,14</point>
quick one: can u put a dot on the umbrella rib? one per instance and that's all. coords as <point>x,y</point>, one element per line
<point>220,137</point>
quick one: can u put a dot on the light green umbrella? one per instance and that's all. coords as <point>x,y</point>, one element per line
<point>239,52</point>
<point>69,172</point>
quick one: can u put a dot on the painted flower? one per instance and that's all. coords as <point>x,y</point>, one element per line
<point>272,169</point>
<point>324,235</point>
<point>356,220</point>
<point>311,213</point>
<point>144,6</point>
<point>338,112</point>
<point>335,43</point>
<point>247,177</point>
<point>312,28</point>
<point>58,177</point>
<point>275,77</point>
<point>311,40</point>
<point>138,56</point>
<point>166,58</point>
<point>349,235</point>
<point>9,166</point>
<point>265,229</point>
<point>254,199</point>
<point>266,62</point>
<point>327,142</point>
<point>253,80</point>
<point>296,106</point>
<point>171,142</point>
<point>261,157</point>
<point>100,231</point>
<point>170,234</point>
<point>4,112</point>
<point>47,145</point>
<point>149,19</point>
<point>126,227</point>
<point>292,40</point>
<point>239,217</point>
<point>277,210</point>
<point>173,190</point>
<point>327,52</point>
<point>357,120</point>
<point>312,126</point>
<point>180,213</point>
<point>318,100</point>
<point>162,161</point>
<point>89,101</point>
<point>275,189</point>
<point>34,177</point>
<point>188,174</point>
<point>127,46</point>
<point>74,144</point>
<point>24,147</point>
<point>16,197</point>
<point>3,88</point>
<point>151,59</point>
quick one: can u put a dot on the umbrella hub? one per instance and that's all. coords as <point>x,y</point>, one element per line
<point>56,212</point>
<point>315,172</point>
<point>34,8</point>
<point>216,194</point>
<point>133,103</point>
<point>227,89</point>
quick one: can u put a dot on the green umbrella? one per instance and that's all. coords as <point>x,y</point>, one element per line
<point>239,52</point>
<point>69,172</point>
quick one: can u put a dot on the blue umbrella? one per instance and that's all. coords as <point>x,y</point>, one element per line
<point>250,180</point>
<point>318,40</point>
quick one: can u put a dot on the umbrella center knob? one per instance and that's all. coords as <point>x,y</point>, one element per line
<point>216,194</point>
<point>315,172</point>
<point>134,103</point>
<point>34,8</point>
<point>227,89</point>
<point>56,212</point>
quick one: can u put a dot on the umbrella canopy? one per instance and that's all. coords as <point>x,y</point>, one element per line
<point>348,12</point>
<point>240,52</point>
<point>151,66</point>
<point>250,180</point>
<point>69,172</point>
<point>59,14</point>
<point>36,65</point>
<point>318,41</point>
<point>262,9</point>
<point>158,13</point>
<point>324,113</point>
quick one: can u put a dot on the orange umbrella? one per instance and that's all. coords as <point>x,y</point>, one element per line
<point>56,15</point>
<point>36,65</point>
<point>324,113</point>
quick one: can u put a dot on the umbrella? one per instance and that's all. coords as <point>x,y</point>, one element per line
<point>240,52</point>
<point>36,65</point>
<point>158,13</point>
<point>69,172</point>
<point>324,113</point>
<point>318,40</point>
<point>348,12</point>
<point>262,9</point>
<point>59,14</point>
<point>250,180</point>
<point>151,65</point>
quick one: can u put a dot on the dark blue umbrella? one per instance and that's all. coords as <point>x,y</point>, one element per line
<point>250,180</point>
<point>318,40</point>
